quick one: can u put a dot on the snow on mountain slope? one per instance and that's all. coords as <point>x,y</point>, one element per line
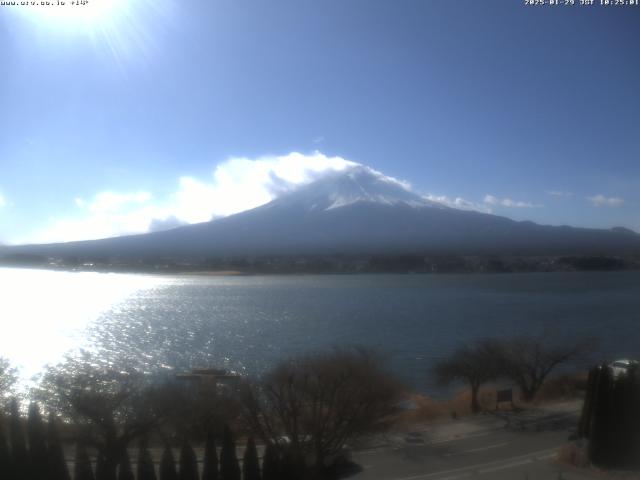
<point>356,184</point>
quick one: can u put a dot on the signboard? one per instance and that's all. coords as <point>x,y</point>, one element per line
<point>504,396</point>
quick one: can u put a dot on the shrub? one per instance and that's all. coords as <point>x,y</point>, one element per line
<point>250,463</point>
<point>168,465</point>
<point>188,463</point>
<point>210,468</point>
<point>56,462</point>
<point>270,463</point>
<point>19,453</point>
<point>37,443</point>
<point>125,472</point>
<point>229,468</point>
<point>82,470</point>
<point>146,470</point>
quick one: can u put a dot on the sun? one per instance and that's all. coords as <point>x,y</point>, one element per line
<point>119,31</point>
<point>76,14</point>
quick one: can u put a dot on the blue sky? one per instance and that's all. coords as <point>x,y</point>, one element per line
<point>122,115</point>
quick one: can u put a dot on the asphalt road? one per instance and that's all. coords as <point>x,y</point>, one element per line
<point>492,454</point>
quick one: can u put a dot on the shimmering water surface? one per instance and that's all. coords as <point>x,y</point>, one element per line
<point>250,322</point>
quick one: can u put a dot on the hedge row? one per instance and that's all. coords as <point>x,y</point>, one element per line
<point>39,455</point>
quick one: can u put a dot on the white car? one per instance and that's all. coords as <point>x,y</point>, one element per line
<point>621,367</point>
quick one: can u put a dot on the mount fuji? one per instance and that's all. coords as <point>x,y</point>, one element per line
<point>353,211</point>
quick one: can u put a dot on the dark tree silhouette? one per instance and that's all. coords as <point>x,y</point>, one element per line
<point>125,472</point>
<point>210,468</point>
<point>112,404</point>
<point>290,466</point>
<point>321,402</point>
<point>250,463</point>
<point>56,462</point>
<point>37,443</point>
<point>600,432</point>
<point>82,470</point>
<point>270,463</point>
<point>188,463</point>
<point>146,470</point>
<point>19,452</point>
<point>474,365</point>
<point>168,465</point>
<point>529,360</point>
<point>612,420</point>
<point>104,471</point>
<point>229,467</point>
<point>6,465</point>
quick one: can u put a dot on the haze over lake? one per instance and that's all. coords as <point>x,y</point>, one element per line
<point>248,323</point>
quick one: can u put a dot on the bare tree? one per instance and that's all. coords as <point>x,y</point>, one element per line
<point>321,402</point>
<point>111,405</point>
<point>193,412</point>
<point>529,360</point>
<point>474,365</point>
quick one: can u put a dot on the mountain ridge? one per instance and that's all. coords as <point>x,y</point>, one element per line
<point>354,211</point>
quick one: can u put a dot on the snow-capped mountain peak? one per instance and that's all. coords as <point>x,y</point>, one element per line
<point>353,185</point>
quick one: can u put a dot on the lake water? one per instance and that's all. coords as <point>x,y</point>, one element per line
<point>250,322</point>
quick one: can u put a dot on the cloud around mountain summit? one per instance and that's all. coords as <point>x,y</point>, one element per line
<point>236,184</point>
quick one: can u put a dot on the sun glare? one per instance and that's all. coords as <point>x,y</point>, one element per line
<point>121,31</point>
<point>73,14</point>
<point>41,332</point>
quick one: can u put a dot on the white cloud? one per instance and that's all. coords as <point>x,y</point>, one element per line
<point>107,214</point>
<point>3,201</point>
<point>237,184</point>
<point>242,183</point>
<point>458,202</point>
<point>105,202</point>
<point>602,201</point>
<point>507,202</point>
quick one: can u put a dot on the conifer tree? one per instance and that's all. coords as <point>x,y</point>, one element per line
<point>270,463</point>
<point>82,470</point>
<point>5,456</point>
<point>599,438</point>
<point>19,453</point>
<point>250,463</point>
<point>288,466</point>
<point>37,443</point>
<point>188,463</point>
<point>210,469</point>
<point>146,470</point>
<point>56,463</point>
<point>101,467</point>
<point>229,468</point>
<point>125,472</point>
<point>168,465</point>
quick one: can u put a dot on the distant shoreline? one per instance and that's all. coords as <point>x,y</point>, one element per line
<point>340,265</point>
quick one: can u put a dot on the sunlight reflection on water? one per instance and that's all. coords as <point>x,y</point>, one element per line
<point>44,313</point>
<point>249,323</point>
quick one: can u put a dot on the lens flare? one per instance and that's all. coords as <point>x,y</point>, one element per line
<point>75,14</point>
<point>121,29</point>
